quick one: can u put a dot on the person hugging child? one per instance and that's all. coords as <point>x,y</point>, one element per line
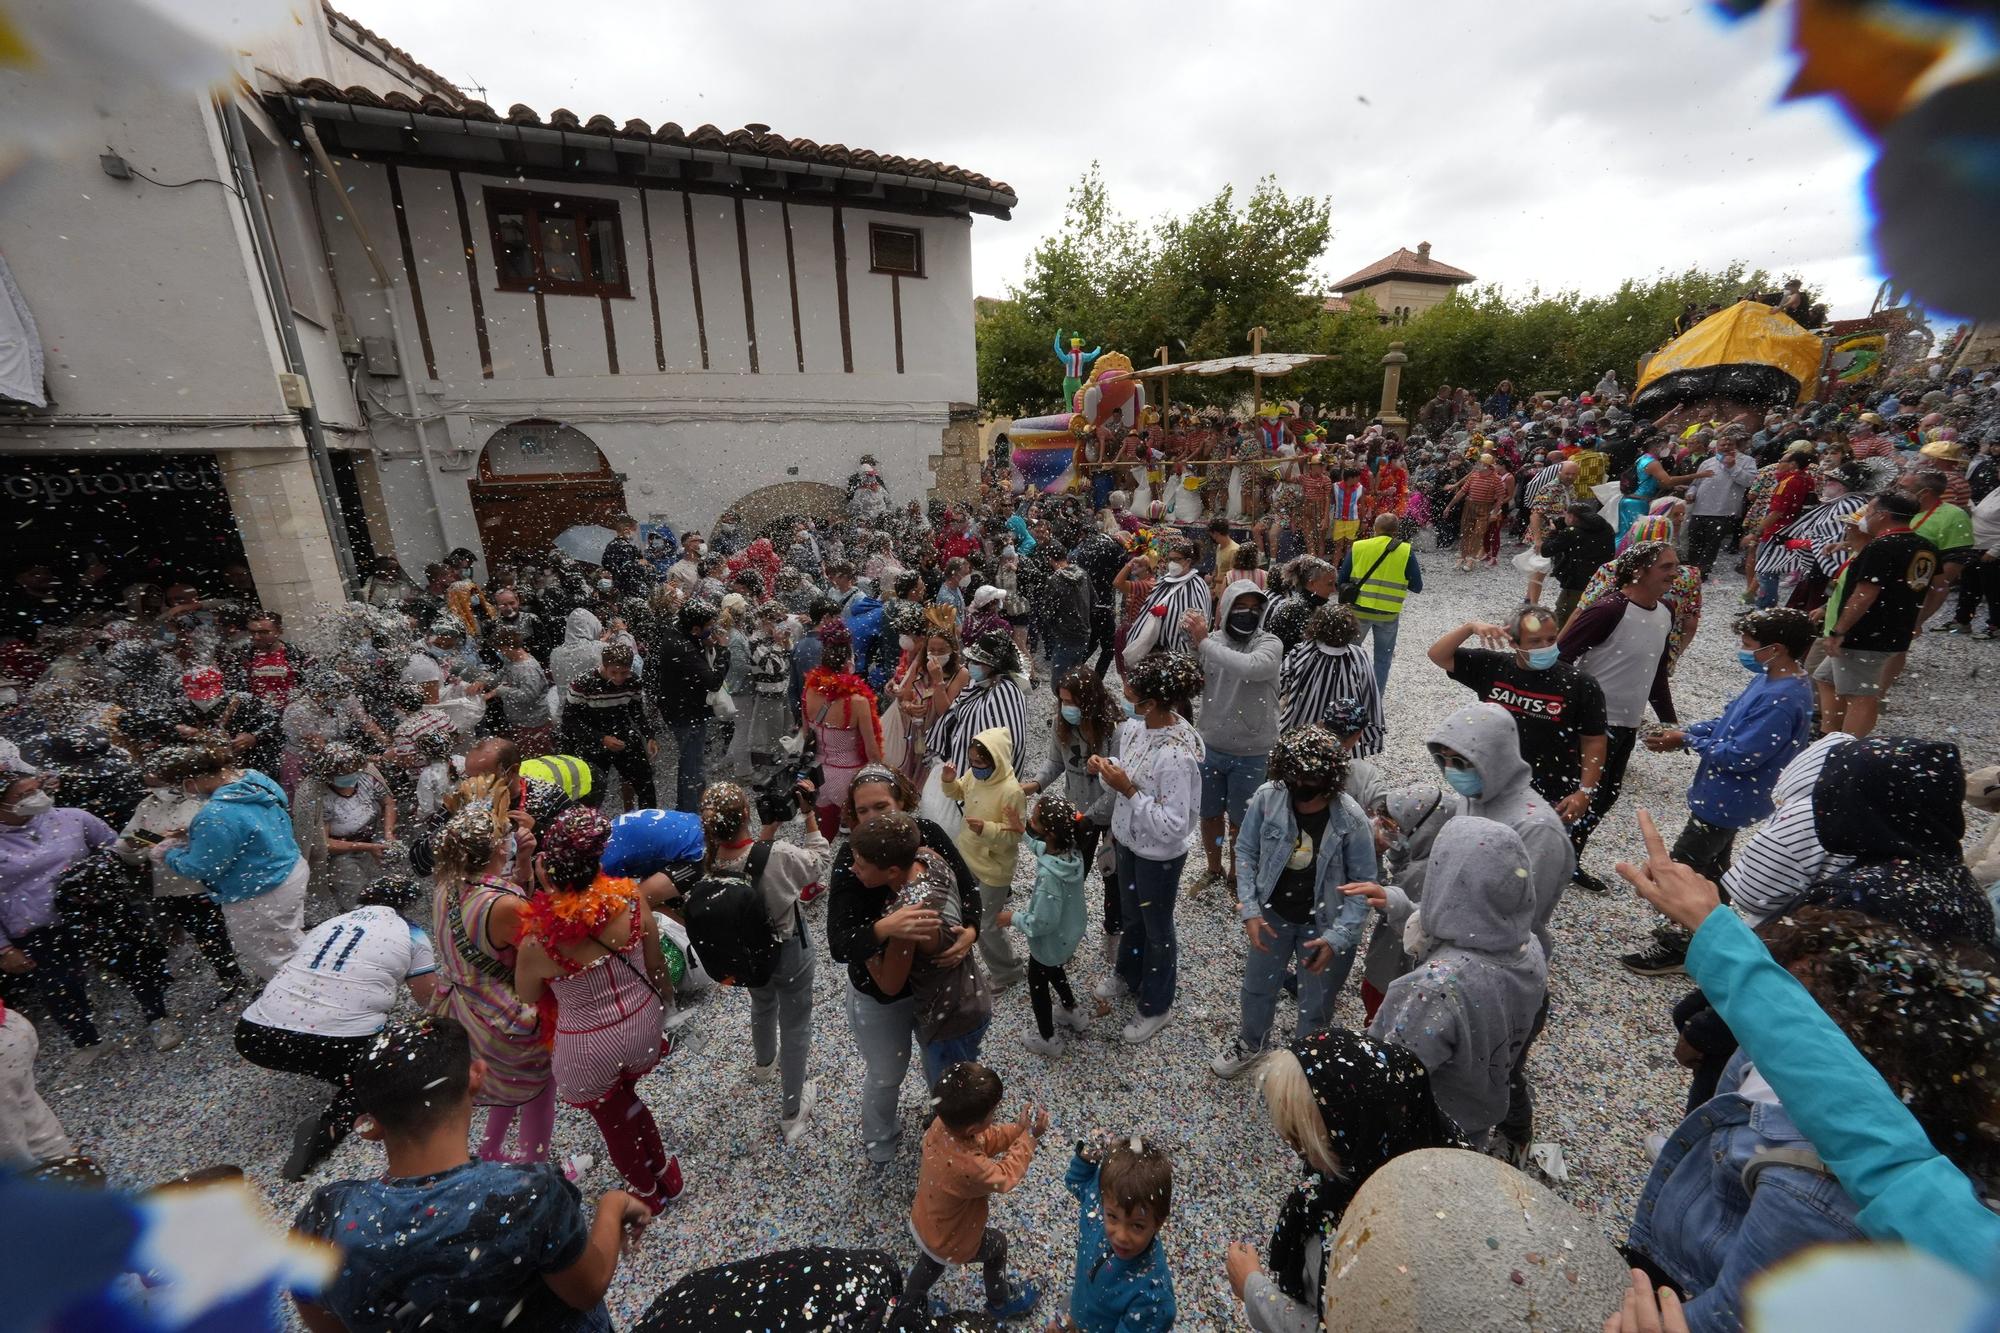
<point>954,1006</point>
<point>1124,1189</point>
<point>1053,920</point>
<point>990,841</point>
<point>967,1159</point>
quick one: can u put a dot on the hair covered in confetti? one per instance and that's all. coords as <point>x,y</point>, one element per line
<point>1334,625</point>
<point>1057,821</point>
<point>725,809</point>
<point>1309,758</point>
<point>1631,566</point>
<point>1167,678</point>
<point>573,847</point>
<point>1137,1173</point>
<point>1926,1015</point>
<point>413,1074</point>
<point>966,1094</point>
<point>179,763</point>
<point>463,847</point>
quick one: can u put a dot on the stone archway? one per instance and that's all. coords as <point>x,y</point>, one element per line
<point>762,508</point>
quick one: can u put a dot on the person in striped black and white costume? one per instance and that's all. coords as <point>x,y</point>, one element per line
<point>1328,679</point>
<point>1179,590</point>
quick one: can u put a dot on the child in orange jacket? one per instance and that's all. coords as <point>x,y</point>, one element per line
<point>967,1159</point>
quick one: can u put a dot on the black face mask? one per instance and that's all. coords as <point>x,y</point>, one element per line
<point>1301,792</point>
<point>1243,623</point>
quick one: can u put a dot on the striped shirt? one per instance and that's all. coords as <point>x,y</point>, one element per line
<point>1784,858</point>
<point>1823,525</point>
<point>1177,597</point>
<point>980,708</point>
<point>1317,679</point>
<point>1547,488</point>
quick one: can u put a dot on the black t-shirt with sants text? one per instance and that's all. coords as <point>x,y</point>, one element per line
<point>1553,709</point>
<point>1903,564</point>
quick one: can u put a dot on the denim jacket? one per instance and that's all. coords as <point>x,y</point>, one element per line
<point>1264,844</point>
<point>1698,1222</point>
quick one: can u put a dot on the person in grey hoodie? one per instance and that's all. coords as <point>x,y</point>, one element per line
<point>580,652</point>
<point>1239,711</point>
<point>1468,1008</point>
<point>1407,821</point>
<point>1479,750</point>
<point>1302,838</point>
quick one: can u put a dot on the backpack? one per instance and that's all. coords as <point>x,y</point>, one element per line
<point>727,927</point>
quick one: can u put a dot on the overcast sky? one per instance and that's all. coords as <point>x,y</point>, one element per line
<point>1566,143</point>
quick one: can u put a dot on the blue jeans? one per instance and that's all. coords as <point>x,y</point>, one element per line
<point>1385,649</point>
<point>1227,780</point>
<point>1264,975</point>
<point>1149,953</point>
<point>691,743</point>
<point>942,1055</point>
<point>1063,656</point>
<point>1767,590</point>
<point>1101,486</point>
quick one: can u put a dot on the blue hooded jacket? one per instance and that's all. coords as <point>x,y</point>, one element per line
<point>240,843</point>
<point>646,842</point>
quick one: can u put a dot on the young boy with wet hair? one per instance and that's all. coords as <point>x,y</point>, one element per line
<point>968,1159</point>
<point>475,1245</point>
<point>1124,1189</point>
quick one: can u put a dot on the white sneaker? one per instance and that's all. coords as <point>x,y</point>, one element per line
<point>1049,1047</point>
<point>1234,1059</point>
<point>764,1073</point>
<point>795,1127</point>
<point>1142,1028</point>
<point>1110,988</point>
<point>1073,1019</point>
<point>166,1034</point>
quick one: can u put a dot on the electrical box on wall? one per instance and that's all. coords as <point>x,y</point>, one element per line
<point>298,394</point>
<point>378,357</point>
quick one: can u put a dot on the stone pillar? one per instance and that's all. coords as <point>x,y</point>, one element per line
<point>276,503</point>
<point>955,467</point>
<point>1393,362</point>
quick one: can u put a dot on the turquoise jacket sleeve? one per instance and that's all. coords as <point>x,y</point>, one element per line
<point>1908,1191</point>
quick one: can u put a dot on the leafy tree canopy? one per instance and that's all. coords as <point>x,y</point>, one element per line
<point>1196,284</point>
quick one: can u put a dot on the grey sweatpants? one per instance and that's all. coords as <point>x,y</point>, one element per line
<point>781,1017</point>
<point>885,1034</point>
<point>1004,965</point>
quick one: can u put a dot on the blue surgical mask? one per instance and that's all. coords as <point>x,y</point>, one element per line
<point>1750,663</point>
<point>977,671</point>
<point>981,773</point>
<point>1131,709</point>
<point>1072,715</point>
<point>1541,659</point>
<point>347,780</point>
<point>1464,781</point>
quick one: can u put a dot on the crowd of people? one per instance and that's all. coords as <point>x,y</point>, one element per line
<point>478,849</point>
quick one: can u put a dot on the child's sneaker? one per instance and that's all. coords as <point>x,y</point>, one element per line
<point>1073,1019</point>
<point>671,1183</point>
<point>1234,1059</point>
<point>1145,1027</point>
<point>1049,1047</point>
<point>1026,1297</point>
<point>764,1073</point>
<point>1110,988</point>
<point>794,1127</point>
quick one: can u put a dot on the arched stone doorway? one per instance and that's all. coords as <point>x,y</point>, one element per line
<point>537,478</point>
<point>762,507</point>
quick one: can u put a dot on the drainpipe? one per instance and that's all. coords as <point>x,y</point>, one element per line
<point>251,197</point>
<point>387,282</point>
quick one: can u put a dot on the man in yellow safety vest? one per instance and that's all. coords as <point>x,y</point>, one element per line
<point>1376,575</point>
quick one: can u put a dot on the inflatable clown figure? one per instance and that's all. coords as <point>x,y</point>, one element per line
<point>1076,366</point>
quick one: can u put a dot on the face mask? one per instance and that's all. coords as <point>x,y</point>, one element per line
<point>33,804</point>
<point>965,580</point>
<point>347,781</point>
<point>1750,662</point>
<point>1541,659</point>
<point>978,672</point>
<point>906,643</point>
<point>981,773</point>
<point>1072,715</point>
<point>1131,709</point>
<point>937,659</point>
<point>1302,791</point>
<point>1175,569</point>
<point>1464,781</point>
<point>1243,624</point>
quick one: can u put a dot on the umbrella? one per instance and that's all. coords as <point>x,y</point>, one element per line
<point>585,542</point>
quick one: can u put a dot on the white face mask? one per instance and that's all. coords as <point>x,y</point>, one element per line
<point>31,805</point>
<point>906,643</point>
<point>965,580</point>
<point>1175,569</point>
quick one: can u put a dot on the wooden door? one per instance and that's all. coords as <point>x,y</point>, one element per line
<point>528,515</point>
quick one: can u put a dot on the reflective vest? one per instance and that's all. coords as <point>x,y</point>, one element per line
<point>565,772</point>
<point>1383,590</point>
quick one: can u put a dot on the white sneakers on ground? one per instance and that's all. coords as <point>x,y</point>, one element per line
<point>1234,1059</point>
<point>1072,1019</point>
<point>764,1073</point>
<point>1111,988</point>
<point>1048,1047</point>
<point>794,1127</point>
<point>1143,1028</point>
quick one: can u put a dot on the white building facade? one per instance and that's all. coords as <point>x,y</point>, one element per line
<point>502,325</point>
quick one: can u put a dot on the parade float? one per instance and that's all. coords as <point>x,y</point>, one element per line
<point>1735,365</point>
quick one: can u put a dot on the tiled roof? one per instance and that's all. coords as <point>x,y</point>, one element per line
<point>757,140</point>
<point>1336,305</point>
<point>1404,264</point>
<point>368,34</point>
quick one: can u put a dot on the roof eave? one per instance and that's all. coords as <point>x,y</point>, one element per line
<point>979,199</point>
<point>1358,282</point>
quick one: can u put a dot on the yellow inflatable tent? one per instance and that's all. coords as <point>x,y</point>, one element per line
<point>1748,352</point>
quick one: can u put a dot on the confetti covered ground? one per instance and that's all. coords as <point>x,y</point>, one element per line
<point>1603,1071</point>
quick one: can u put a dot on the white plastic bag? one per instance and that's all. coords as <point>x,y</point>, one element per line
<point>720,704</point>
<point>940,809</point>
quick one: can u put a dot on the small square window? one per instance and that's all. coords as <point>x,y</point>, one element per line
<point>895,250</point>
<point>559,245</point>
